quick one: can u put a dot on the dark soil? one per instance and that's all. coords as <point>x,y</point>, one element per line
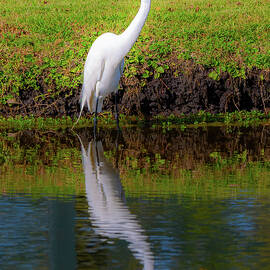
<point>190,91</point>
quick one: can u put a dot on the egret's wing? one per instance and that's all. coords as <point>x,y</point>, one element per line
<point>93,71</point>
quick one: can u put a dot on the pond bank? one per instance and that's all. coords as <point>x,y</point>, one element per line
<point>185,87</point>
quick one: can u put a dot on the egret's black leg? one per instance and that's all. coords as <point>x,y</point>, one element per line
<point>116,110</point>
<point>117,149</point>
<point>95,119</point>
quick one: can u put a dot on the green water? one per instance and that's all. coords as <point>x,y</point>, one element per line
<point>140,199</point>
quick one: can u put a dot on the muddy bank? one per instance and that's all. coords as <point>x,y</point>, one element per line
<point>185,88</point>
<point>192,90</point>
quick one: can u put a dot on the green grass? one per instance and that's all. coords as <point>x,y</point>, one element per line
<point>241,118</point>
<point>44,44</point>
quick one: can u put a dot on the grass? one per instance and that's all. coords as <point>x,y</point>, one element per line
<point>241,118</point>
<point>44,44</point>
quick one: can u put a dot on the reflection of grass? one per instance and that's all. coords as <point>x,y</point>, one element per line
<point>67,178</point>
<point>222,177</point>
<point>42,181</point>
<point>45,163</point>
<point>202,181</point>
<point>39,165</point>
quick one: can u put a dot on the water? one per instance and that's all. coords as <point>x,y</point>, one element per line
<point>142,199</point>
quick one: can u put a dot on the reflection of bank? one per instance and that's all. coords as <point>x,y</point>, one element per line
<point>109,215</point>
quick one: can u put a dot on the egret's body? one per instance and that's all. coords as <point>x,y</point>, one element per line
<point>102,71</point>
<point>105,62</point>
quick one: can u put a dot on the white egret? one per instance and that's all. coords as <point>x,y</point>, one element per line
<point>105,63</point>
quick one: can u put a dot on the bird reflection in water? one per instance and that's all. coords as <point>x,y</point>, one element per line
<point>109,214</point>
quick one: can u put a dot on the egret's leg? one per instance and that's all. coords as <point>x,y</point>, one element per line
<point>95,119</point>
<point>116,110</point>
<point>117,150</point>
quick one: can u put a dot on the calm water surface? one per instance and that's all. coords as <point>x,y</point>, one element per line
<point>142,199</point>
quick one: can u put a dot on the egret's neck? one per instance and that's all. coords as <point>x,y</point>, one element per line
<point>130,35</point>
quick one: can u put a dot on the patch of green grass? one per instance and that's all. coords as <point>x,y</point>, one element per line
<point>241,118</point>
<point>44,44</point>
